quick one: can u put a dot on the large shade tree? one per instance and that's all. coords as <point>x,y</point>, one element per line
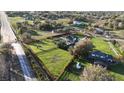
<point>96,73</point>
<point>82,48</point>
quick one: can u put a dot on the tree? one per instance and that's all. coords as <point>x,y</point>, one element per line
<point>23,29</point>
<point>37,23</point>
<point>26,37</point>
<point>110,25</point>
<point>47,26</point>
<point>62,44</point>
<point>96,73</point>
<point>115,25</point>
<point>82,48</point>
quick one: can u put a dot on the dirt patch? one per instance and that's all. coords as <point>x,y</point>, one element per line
<point>4,68</point>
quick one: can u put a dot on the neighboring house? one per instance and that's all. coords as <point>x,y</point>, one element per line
<point>67,41</point>
<point>77,23</point>
<point>120,24</point>
<point>101,58</point>
<point>99,31</point>
<point>107,34</point>
<point>71,40</point>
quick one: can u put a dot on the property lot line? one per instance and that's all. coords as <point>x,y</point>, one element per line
<point>114,50</point>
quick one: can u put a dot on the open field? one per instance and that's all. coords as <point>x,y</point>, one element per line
<point>54,59</point>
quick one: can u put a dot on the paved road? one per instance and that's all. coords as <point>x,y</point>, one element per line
<point>8,36</point>
<point>6,31</point>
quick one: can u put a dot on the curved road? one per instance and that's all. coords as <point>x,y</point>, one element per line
<point>8,36</point>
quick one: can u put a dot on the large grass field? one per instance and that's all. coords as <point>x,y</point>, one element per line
<point>54,59</point>
<point>116,70</point>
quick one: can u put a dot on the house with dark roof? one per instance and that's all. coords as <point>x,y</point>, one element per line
<point>99,31</point>
<point>101,58</point>
<point>71,40</point>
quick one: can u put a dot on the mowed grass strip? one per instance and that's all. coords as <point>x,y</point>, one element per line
<point>54,59</point>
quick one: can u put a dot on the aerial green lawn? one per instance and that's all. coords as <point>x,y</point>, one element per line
<point>101,45</point>
<point>54,59</point>
<point>69,76</point>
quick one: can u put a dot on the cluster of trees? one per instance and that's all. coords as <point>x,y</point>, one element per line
<point>62,44</point>
<point>38,25</point>
<point>116,24</point>
<point>50,25</point>
<point>22,27</point>
<point>96,73</point>
<point>81,18</point>
<point>25,31</point>
<point>82,48</point>
<point>26,38</point>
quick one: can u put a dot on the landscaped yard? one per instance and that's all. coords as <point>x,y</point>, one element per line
<point>70,75</point>
<point>54,59</point>
<point>101,45</point>
<point>116,70</point>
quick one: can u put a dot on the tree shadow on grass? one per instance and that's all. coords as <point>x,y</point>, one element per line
<point>72,69</point>
<point>45,51</point>
<point>33,32</point>
<point>118,68</point>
